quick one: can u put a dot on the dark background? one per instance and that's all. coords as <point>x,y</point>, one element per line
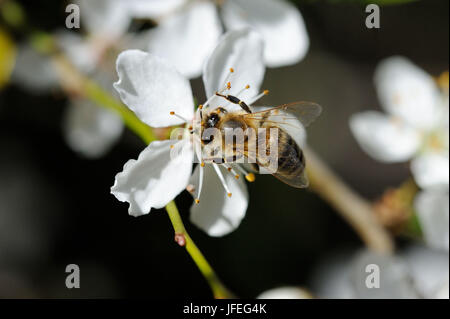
<point>56,208</point>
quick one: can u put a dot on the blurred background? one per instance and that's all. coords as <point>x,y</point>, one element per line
<point>56,208</point>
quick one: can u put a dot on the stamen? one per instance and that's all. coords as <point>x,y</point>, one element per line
<point>200,185</point>
<point>256,98</point>
<point>250,177</point>
<point>231,170</point>
<point>222,179</point>
<point>179,116</point>
<point>242,90</point>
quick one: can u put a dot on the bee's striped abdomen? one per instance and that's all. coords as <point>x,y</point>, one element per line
<point>290,157</point>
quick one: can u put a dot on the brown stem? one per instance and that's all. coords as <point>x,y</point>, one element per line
<point>357,211</point>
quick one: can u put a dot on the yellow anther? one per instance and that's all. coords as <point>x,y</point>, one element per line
<point>236,176</point>
<point>200,106</point>
<point>231,70</point>
<point>247,86</point>
<point>197,201</point>
<point>202,164</point>
<point>172,113</point>
<point>229,85</point>
<point>229,169</point>
<point>250,177</point>
<point>172,146</point>
<point>266,92</point>
<point>229,194</point>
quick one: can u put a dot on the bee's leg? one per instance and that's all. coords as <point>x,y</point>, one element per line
<point>235,100</point>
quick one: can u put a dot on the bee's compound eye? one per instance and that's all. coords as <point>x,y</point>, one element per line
<point>212,120</point>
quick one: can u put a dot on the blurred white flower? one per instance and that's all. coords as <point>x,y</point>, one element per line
<point>432,209</point>
<point>189,30</point>
<point>286,293</point>
<point>416,272</point>
<point>88,129</point>
<point>416,124</point>
<point>160,96</point>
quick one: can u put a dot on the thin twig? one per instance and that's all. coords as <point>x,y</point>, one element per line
<point>353,208</point>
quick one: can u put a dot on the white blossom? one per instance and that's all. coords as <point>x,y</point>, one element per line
<point>160,96</point>
<point>187,31</point>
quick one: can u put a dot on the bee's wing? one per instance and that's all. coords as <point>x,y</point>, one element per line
<point>305,112</point>
<point>299,180</point>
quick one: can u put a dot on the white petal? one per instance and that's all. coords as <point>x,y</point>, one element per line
<point>408,92</point>
<point>431,169</point>
<point>78,50</point>
<point>34,71</point>
<point>217,214</point>
<point>241,50</point>
<point>395,282</point>
<point>152,88</point>
<point>280,24</point>
<point>428,268</point>
<point>109,18</point>
<point>384,138</point>
<point>89,129</point>
<point>432,209</point>
<point>188,38</point>
<point>153,8</point>
<point>442,292</point>
<point>285,293</point>
<point>155,178</point>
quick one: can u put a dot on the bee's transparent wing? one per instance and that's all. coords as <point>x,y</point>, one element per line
<point>305,112</point>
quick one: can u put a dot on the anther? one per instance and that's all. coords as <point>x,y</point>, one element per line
<point>247,86</point>
<point>231,70</point>
<point>197,201</point>
<point>229,85</point>
<point>202,164</point>
<point>172,146</point>
<point>236,176</point>
<point>250,177</point>
<point>172,113</point>
<point>200,106</point>
<point>266,92</point>
<point>229,194</point>
<point>190,188</point>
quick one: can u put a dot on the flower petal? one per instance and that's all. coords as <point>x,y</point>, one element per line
<point>383,138</point>
<point>408,92</point>
<point>286,293</point>
<point>431,169</point>
<point>153,8</point>
<point>188,38</point>
<point>155,178</point>
<point>241,50</point>
<point>432,209</point>
<point>390,277</point>
<point>77,49</point>
<point>428,268</point>
<point>34,71</point>
<point>152,89</point>
<point>89,129</point>
<point>279,22</point>
<point>217,214</point>
<point>109,18</point>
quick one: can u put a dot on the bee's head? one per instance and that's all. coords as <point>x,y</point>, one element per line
<point>211,120</point>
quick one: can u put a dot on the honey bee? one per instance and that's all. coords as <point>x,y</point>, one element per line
<point>289,120</point>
